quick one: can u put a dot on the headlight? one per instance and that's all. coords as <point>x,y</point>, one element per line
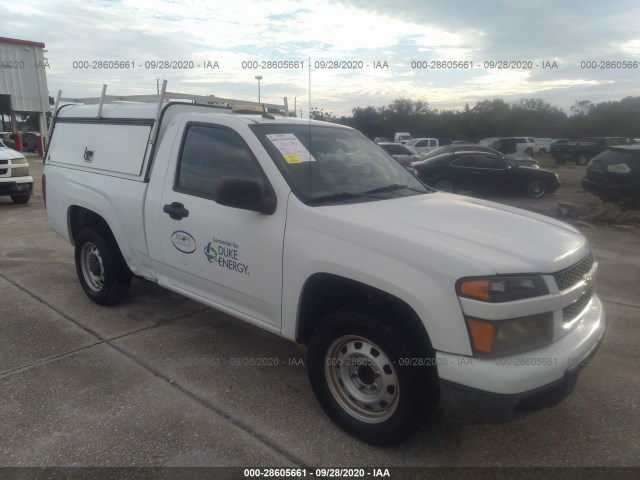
<point>20,172</point>
<point>502,288</point>
<point>618,168</point>
<point>507,337</point>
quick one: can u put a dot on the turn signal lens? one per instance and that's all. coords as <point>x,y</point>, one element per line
<point>476,289</point>
<point>482,334</point>
<point>495,338</point>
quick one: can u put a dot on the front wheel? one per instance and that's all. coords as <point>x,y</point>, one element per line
<point>103,273</point>
<point>582,160</point>
<point>536,188</point>
<point>20,198</point>
<point>370,377</point>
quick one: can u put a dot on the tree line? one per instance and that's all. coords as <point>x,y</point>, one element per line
<point>495,118</point>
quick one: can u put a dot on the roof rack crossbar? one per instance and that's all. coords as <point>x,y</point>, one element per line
<point>168,96</point>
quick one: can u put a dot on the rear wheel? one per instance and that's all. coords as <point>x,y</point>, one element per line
<point>102,271</point>
<point>370,377</point>
<point>536,188</point>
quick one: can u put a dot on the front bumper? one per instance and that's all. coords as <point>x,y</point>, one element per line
<point>470,406</point>
<point>611,191</point>
<point>475,390</point>
<point>17,187</point>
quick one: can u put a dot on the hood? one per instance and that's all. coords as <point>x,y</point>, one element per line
<point>504,239</point>
<point>7,153</point>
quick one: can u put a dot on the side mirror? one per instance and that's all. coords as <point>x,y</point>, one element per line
<point>245,193</point>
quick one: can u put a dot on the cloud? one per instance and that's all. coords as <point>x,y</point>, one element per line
<point>393,31</point>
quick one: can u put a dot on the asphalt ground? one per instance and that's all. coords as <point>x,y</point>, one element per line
<point>164,381</point>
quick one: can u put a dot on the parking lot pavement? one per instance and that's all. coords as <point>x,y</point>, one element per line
<point>164,381</point>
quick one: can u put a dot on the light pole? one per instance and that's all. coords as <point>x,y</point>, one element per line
<point>259,77</point>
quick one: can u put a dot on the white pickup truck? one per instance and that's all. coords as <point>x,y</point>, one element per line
<point>406,297</point>
<point>15,180</point>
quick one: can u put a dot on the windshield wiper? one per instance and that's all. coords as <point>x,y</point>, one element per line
<point>335,197</point>
<point>393,187</point>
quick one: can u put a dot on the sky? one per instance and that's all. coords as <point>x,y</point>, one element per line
<point>400,37</point>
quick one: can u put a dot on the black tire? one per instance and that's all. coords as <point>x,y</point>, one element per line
<point>360,372</point>
<point>529,152</point>
<point>542,151</point>
<point>536,188</point>
<point>582,160</point>
<point>560,161</point>
<point>445,184</point>
<point>102,271</point>
<point>20,198</point>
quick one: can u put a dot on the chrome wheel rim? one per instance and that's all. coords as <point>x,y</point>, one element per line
<point>362,379</point>
<point>92,267</point>
<point>536,188</point>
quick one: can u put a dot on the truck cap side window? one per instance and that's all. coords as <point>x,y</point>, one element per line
<point>210,153</point>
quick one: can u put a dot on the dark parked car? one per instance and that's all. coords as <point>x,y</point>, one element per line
<point>483,171</point>
<point>580,151</point>
<point>30,141</point>
<point>614,175</point>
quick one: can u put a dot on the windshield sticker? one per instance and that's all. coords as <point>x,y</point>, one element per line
<point>183,241</point>
<point>226,255</point>
<point>290,147</point>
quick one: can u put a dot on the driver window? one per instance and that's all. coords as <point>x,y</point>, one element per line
<point>209,153</point>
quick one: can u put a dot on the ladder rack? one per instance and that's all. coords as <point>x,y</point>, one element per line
<point>165,97</point>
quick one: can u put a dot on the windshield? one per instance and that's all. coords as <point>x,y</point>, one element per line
<point>335,165</point>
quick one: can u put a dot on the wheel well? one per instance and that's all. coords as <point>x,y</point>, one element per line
<point>80,217</point>
<point>324,293</point>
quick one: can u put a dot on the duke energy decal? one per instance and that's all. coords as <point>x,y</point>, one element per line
<point>183,241</point>
<point>226,255</point>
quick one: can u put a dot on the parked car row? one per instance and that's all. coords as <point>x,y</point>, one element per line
<point>613,174</point>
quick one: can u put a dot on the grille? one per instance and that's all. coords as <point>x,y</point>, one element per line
<point>3,171</point>
<point>573,310</point>
<point>4,162</point>
<point>570,276</point>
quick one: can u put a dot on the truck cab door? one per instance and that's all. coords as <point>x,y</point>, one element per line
<point>228,257</point>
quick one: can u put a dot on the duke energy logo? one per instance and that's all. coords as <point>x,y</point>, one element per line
<point>210,252</point>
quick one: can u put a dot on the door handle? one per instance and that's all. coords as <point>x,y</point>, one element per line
<point>176,211</point>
